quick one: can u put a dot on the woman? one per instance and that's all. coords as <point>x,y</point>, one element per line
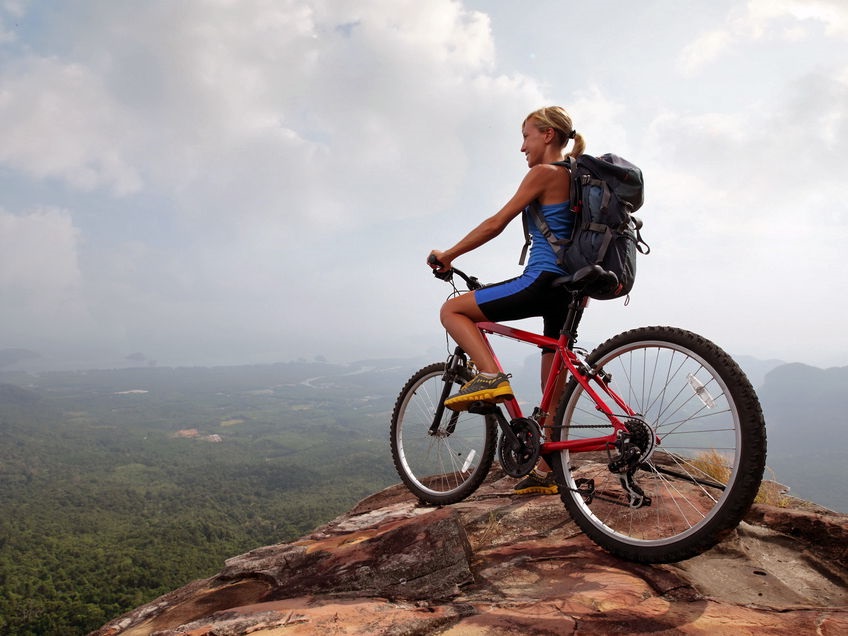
<point>546,133</point>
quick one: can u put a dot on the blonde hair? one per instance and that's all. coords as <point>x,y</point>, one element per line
<point>559,120</point>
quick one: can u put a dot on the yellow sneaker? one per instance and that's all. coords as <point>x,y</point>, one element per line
<point>536,484</point>
<point>481,389</point>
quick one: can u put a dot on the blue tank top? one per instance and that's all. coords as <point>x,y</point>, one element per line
<point>560,219</point>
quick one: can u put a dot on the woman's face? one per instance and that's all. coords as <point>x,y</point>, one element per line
<point>535,142</point>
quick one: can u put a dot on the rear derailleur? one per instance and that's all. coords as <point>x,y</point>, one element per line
<point>634,447</point>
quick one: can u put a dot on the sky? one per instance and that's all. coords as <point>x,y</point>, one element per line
<point>212,182</point>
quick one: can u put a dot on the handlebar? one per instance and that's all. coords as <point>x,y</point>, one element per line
<point>470,281</point>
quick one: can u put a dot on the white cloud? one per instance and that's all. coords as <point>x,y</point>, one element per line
<point>763,14</point>
<point>246,112</point>
<point>10,11</point>
<point>746,214</point>
<point>56,120</point>
<point>40,278</point>
<point>270,131</point>
<point>790,20</point>
<point>591,110</point>
<point>706,48</point>
<point>794,141</point>
<point>15,8</point>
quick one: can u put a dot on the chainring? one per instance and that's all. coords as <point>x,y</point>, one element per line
<point>519,459</point>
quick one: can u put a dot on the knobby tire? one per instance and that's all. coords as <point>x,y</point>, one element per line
<point>446,466</point>
<point>701,477</point>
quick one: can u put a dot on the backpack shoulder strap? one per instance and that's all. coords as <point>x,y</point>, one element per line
<point>534,211</point>
<point>526,239</point>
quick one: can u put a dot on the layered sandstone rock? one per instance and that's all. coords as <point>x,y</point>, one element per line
<point>501,564</point>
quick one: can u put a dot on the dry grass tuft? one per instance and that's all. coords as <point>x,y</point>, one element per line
<point>713,464</point>
<point>771,492</point>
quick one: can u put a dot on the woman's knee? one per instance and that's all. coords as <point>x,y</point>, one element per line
<point>444,314</point>
<point>450,312</point>
<point>459,307</point>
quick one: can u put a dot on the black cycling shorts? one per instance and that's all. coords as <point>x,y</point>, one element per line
<point>528,295</point>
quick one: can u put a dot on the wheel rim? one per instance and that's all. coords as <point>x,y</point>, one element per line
<point>438,464</point>
<point>683,398</point>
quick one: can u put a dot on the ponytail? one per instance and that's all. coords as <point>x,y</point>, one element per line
<point>579,145</point>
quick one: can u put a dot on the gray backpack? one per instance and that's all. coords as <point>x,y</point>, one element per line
<point>600,254</point>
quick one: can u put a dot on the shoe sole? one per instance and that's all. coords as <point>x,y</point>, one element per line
<point>537,490</point>
<point>462,402</point>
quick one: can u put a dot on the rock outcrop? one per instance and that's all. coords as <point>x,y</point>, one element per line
<point>501,564</point>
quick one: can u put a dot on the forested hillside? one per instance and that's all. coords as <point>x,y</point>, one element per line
<point>118,486</point>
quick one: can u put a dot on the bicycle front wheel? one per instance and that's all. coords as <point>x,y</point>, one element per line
<point>698,439</point>
<point>442,456</point>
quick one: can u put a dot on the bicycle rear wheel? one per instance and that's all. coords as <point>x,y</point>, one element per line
<point>698,440</point>
<point>442,456</point>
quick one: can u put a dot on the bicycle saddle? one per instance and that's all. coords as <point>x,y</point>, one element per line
<point>593,276</point>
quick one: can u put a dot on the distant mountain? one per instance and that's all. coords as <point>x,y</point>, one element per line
<point>757,369</point>
<point>805,415</point>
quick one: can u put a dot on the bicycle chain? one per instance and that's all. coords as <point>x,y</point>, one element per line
<point>562,426</point>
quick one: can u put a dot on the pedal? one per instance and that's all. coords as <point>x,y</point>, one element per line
<point>483,408</point>
<point>586,489</point>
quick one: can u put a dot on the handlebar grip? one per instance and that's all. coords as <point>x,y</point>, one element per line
<point>437,265</point>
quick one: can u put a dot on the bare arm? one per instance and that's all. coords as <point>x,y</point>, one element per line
<point>532,187</point>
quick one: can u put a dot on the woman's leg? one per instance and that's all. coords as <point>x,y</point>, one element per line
<point>508,300</point>
<point>459,316</point>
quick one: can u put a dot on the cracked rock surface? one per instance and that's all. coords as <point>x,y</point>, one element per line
<point>504,564</point>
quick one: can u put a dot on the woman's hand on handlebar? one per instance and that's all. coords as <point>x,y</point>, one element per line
<point>442,269</point>
<point>439,261</point>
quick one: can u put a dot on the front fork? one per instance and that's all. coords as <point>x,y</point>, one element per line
<point>454,366</point>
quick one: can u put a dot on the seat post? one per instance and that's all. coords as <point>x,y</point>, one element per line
<point>572,319</point>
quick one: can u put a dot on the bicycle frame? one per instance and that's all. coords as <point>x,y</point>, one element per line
<point>565,360</point>
<point>671,387</point>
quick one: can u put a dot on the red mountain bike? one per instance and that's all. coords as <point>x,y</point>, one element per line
<point>658,444</point>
